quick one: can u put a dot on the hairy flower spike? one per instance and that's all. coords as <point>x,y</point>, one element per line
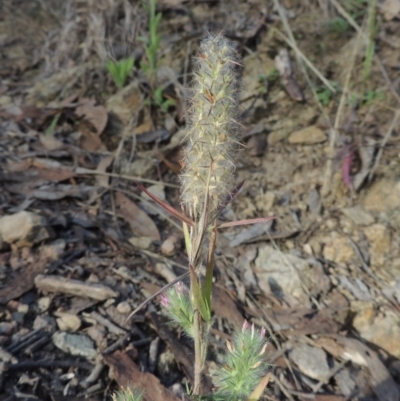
<point>244,366</point>
<point>213,135</point>
<point>178,306</point>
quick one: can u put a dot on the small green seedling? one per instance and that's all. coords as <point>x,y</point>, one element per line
<point>339,25</point>
<point>119,70</point>
<point>371,95</point>
<point>152,42</point>
<point>325,95</point>
<point>161,100</point>
<point>51,128</point>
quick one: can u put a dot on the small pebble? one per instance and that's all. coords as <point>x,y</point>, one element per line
<point>68,322</point>
<point>23,308</point>
<point>141,242</point>
<point>6,328</point>
<point>44,322</point>
<point>168,247</point>
<point>124,307</point>
<point>44,304</point>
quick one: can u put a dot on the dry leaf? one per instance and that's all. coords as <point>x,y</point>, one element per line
<point>50,142</point>
<point>141,224</point>
<point>89,140</point>
<point>96,115</point>
<point>125,372</point>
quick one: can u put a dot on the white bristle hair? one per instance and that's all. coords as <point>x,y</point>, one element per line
<point>213,136</point>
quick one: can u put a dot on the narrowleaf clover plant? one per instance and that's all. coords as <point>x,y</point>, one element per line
<point>208,186</point>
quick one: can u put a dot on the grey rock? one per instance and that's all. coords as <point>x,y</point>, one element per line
<point>310,361</point>
<point>23,228</point>
<point>44,322</point>
<point>74,344</point>
<point>345,382</point>
<point>282,274</point>
<point>358,216</point>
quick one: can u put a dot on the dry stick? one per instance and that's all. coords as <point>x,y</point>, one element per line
<point>152,206</point>
<point>198,366</point>
<point>350,20</point>
<point>282,387</point>
<point>292,43</point>
<point>87,171</point>
<point>334,131</point>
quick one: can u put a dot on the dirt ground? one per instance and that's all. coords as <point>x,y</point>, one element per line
<point>81,246</point>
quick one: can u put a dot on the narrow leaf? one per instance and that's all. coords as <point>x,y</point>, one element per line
<point>246,222</point>
<point>198,297</point>
<point>210,268</point>
<point>187,239</point>
<point>167,207</point>
<point>258,391</point>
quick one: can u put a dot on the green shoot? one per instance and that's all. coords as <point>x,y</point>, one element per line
<point>119,70</point>
<point>371,30</point>
<point>51,128</point>
<point>152,42</point>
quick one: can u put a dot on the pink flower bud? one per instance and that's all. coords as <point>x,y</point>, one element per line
<point>262,332</point>
<point>164,300</point>
<point>245,325</point>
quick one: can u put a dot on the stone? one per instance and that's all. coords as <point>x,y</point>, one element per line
<point>44,304</point>
<point>383,196</point>
<point>54,250</point>
<point>307,136</point>
<point>338,249</point>
<point>68,322</point>
<point>280,273</point>
<point>74,344</point>
<point>6,328</point>
<point>23,228</point>
<point>358,216</point>
<point>44,322</point>
<point>168,247</point>
<point>311,361</point>
<point>345,382</point>
<point>23,308</point>
<point>141,242</point>
<point>382,330</point>
<point>124,307</point>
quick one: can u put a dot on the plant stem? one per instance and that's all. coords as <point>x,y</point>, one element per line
<point>198,362</point>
